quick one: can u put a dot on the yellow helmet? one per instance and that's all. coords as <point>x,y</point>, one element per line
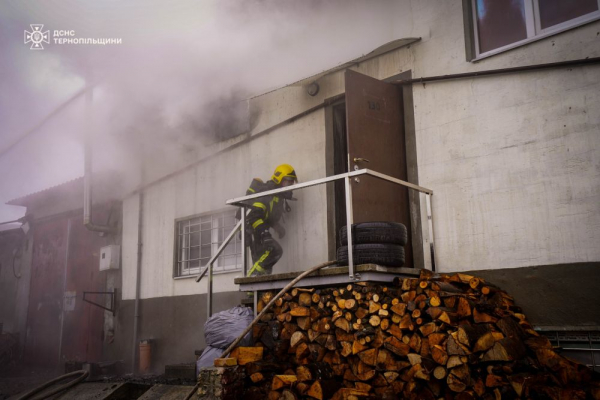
<point>284,171</point>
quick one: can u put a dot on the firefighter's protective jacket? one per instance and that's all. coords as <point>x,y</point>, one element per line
<point>265,212</point>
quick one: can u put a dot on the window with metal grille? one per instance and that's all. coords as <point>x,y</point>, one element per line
<point>583,347</point>
<point>495,26</point>
<point>199,237</point>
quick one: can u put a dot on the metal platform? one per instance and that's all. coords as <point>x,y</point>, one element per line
<point>325,277</point>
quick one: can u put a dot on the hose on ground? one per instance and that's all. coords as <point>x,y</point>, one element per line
<point>273,300</point>
<point>31,393</point>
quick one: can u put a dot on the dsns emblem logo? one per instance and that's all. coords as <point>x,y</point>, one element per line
<point>37,37</point>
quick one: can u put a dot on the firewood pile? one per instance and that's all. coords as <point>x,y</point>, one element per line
<point>435,337</point>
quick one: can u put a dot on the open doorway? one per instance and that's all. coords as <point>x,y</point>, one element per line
<point>367,130</point>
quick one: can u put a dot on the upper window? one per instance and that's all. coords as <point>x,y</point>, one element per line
<point>500,25</point>
<point>198,238</point>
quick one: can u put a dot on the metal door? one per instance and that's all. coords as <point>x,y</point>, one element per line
<point>50,248</point>
<point>375,133</point>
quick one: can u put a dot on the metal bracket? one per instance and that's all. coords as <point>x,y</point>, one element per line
<point>112,295</point>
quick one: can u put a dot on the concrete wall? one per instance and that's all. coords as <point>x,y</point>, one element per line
<point>174,324</point>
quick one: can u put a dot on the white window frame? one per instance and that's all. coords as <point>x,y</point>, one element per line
<point>223,264</point>
<point>533,25</point>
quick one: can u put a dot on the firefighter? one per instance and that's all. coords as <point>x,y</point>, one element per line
<point>265,213</point>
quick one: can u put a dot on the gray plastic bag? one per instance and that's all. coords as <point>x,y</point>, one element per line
<point>223,328</point>
<point>208,356</point>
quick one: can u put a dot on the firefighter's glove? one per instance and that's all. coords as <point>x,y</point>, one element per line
<point>280,230</point>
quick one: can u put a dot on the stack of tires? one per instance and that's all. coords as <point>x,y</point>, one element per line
<point>379,243</point>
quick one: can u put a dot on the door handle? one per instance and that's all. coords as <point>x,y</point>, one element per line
<point>358,159</point>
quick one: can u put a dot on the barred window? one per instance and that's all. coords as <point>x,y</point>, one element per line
<point>199,237</point>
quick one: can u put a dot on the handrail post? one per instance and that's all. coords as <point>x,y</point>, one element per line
<point>429,207</point>
<point>209,291</point>
<point>243,230</point>
<point>349,222</point>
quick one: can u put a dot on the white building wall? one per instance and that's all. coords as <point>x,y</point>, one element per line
<point>514,160</point>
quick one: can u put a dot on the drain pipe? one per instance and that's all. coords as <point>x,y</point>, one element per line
<point>87,177</point>
<point>136,312</point>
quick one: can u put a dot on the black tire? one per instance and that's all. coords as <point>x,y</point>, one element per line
<point>389,255</point>
<point>376,232</point>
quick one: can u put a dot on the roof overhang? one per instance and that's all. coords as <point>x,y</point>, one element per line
<point>386,48</point>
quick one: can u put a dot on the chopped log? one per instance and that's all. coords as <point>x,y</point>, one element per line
<point>281,381</point>
<point>414,358</point>
<point>415,342</point>
<point>305,299</point>
<point>312,335</point>
<point>346,348</point>
<point>303,373</point>
<point>482,318</point>
<point>300,312</point>
<point>368,357</point>
<point>474,283</point>
<point>428,329</point>
<point>507,349</point>
<point>425,348</point>
<point>302,351</point>
<point>406,322</point>
<point>453,347</point>
<point>225,362</point>
<point>297,338</point>
<point>484,342</point>
<point>374,320</point>
<point>374,307</point>
<point>361,312</point>
<point>357,347</point>
<point>436,338</point>
<point>245,355</point>
<point>435,301</point>
<point>463,308</point>
<point>408,296</point>
<point>343,324</point>
<point>511,328</point>
<point>453,361</point>
<point>316,298</point>
<point>385,324</point>
<point>342,335</point>
<point>399,308</point>
<point>439,372</point>
<point>396,346</point>
<point>330,343</point>
<point>303,323</point>
<point>439,355</point>
<point>256,377</point>
<point>395,331</point>
<point>287,394</point>
<point>350,394</point>
<point>458,378</point>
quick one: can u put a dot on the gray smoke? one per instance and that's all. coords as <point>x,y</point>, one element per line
<point>178,82</point>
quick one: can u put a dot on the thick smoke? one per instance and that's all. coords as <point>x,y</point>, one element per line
<point>178,82</point>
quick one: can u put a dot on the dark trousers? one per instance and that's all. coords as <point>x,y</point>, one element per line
<point>264,256</point>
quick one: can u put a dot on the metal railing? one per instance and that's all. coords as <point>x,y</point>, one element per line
<point>240,202</point>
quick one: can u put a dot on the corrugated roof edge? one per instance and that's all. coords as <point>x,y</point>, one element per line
<point>18,200</point>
